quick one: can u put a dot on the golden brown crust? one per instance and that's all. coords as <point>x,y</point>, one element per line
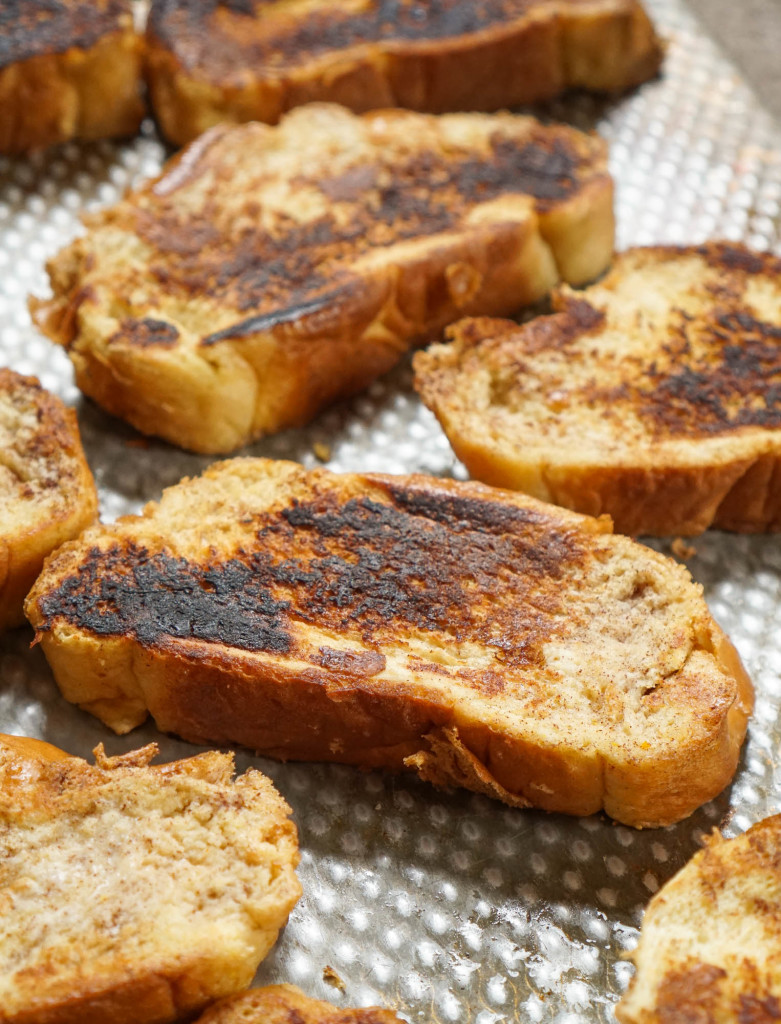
<point>270,271</point>
<point>65,820</point>
<point>67,70</point>
<point>403,622</point>
<point>651,396</point>
<point>286,1004</point>
<point>47,494</point>
<point>210,63</point>
<point>710,946</point>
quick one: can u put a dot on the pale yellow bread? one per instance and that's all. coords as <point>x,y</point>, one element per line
<point>710,944</point>
<point>286,1004</point>
<point>133,893</point>
<point>68,70</point>
<point>209,63</point>
<point>47,494</point>
<point>270,271</point>
<point>652,396</point>
<point>475,636</point>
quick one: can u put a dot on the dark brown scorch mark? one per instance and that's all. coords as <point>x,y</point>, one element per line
<point>269,273</point>
<point>207,34</point>
<point>30,28</point>
<point>429,564</point>
<point>737,384</point>
<point>146,333</point>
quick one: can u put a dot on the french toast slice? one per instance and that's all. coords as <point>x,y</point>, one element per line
<point>477,637</point>
<point>226,61</point>
<point>47,494</point>
<point>286,1004</point>
<point>135,893</point>
<point>710,943</point>
<point>652,396</point>
<point>270,271</point>
<point>68,69</point>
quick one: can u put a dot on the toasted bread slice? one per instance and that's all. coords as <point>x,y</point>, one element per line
<point>70,69</point>
<point>213,62</point>
<point>286,1004</point>
<point>652,396</point>
<point>475,636</point>
<point>710,945</point>
<point>134,893</point>
<point>47,494</point>
<point>269,271</point>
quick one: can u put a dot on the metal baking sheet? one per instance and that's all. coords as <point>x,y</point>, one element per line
<point>448,907</point>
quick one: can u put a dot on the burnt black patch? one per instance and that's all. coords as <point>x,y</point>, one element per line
<point>126,591</point>
<point>460,568</point>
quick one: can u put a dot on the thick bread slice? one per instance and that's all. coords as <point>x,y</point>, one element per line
<point>475,636</point>
<point>286,1004</point>
<point>269,271</point>
<point>652,396</point>
<point>212,62</point>
<point>70,69</point>
<point>132,893</point>
<point>47,494</point>
<point>710,945</point>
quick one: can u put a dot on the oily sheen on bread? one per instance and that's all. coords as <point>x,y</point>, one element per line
<point>477,637</point>
<point>226,61</point>
<point>269,271</point>
<point>286,1004</point>
<point>69,69</point>
<point>47,494</point>
<point>710,945</point>
<point>135,893</point>
<point>651,396</point>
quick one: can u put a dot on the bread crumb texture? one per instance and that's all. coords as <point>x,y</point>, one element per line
<point>47,494</point>
<point>652,396</point>
<point>286,1004</point>
<point>131,892</point>
<point>477,636</point>
<point>270,270</point>
<point>710,945</point>
<point>70,69</point>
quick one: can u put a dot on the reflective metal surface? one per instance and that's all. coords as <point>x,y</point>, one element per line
<point>449,907</point>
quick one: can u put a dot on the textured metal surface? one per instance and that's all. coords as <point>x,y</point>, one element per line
<point>449,906</point>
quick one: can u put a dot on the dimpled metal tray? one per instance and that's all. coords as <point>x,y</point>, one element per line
<point>447,906</point>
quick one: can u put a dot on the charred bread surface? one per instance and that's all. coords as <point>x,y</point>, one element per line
<point>68,69</point>
<point>710,944</point>
<point>652,396</point>
<point>135,893</point>
<point>286,1004</point>
<point>254,59</point>
<point>47,494</point>
<point>477,637</point>
<point>270,271</point>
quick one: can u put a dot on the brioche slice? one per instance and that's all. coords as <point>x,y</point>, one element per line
<point>286,1004</point>
<point>213,62</point>
<point>710,945</point>
<point>269,271</point>
<point>134,893</point>
<point>47,494</point>
<point>477,637</point>
<point>652,396</point>
<point>70,69</point>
